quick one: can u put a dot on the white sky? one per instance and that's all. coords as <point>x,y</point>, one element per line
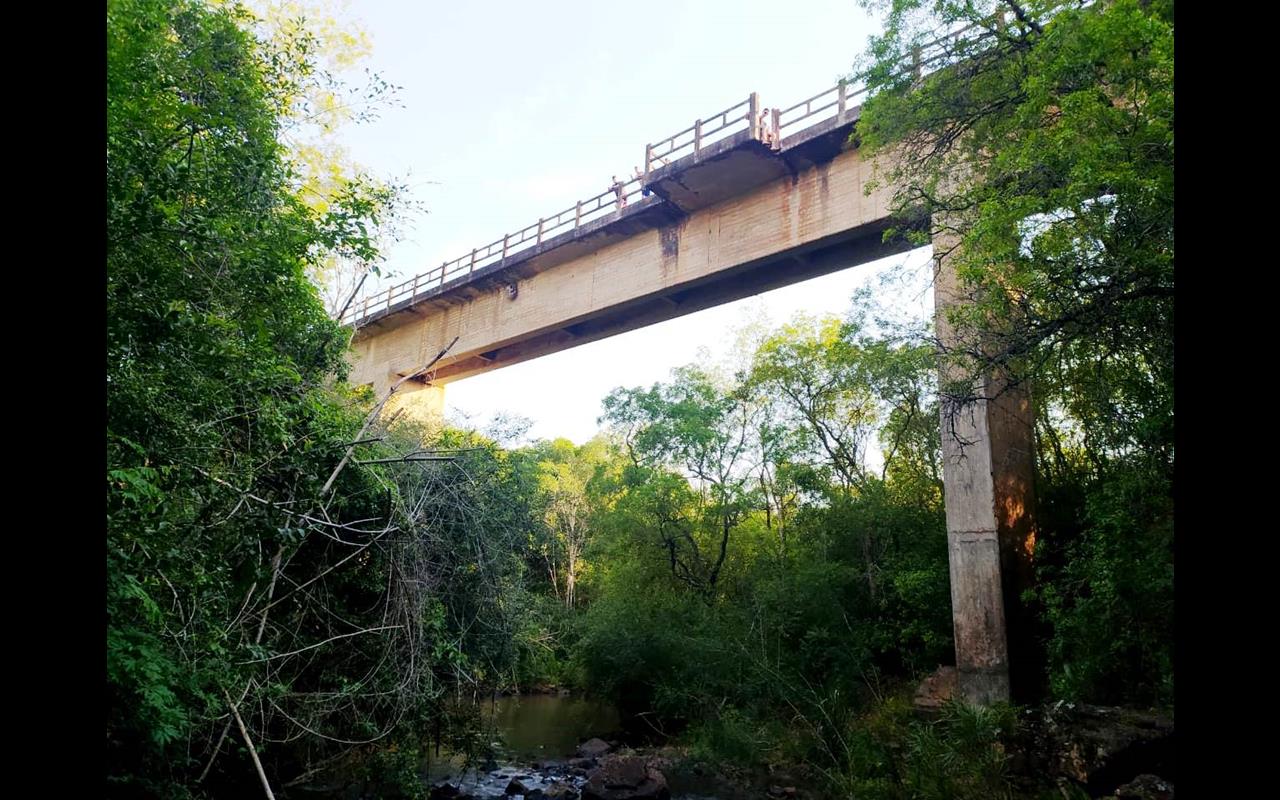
<point>514,110</point>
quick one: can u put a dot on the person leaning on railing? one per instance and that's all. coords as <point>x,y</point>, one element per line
<point>768,132</point>
<point>619,188</point>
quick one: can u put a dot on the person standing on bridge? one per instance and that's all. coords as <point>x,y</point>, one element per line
<point>768,133</point>
<point>618,186</point>
<point>644,190</point>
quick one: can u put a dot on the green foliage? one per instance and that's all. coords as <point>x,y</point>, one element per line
<point>728,559</point>
<point>962,755</point>
<point>335,616</point>
<point>690,483</point>
<point>1108,595</point>
<point>826,582</point>
<point>1042,148</point>
<point>816,366</point>
<point>732,737</point>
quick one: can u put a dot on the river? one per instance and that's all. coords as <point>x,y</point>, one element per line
<point>534,740</point>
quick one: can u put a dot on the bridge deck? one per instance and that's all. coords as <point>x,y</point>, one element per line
<point>734,165</point>
<point>680,175</point>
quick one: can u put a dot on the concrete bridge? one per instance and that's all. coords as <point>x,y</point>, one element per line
<point>726,209</point>
<point>738,203</point>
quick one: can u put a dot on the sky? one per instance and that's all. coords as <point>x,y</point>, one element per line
<point>510,111</point>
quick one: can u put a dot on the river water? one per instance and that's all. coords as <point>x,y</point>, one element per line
<point>548,726</point>
<point>533,737</point>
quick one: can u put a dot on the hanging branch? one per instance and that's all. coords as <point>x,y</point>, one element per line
<point>352,296</point>
<point>378,410</point>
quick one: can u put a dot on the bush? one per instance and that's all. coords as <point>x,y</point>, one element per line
<point>1108,595</point>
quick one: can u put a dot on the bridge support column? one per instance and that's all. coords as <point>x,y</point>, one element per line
<point>419,403</point>
<point>988,475</point>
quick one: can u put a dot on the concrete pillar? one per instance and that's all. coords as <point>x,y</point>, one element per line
<point>988,475</point>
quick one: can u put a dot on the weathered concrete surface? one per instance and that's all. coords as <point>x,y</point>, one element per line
<point>988,474</point>
<point>417,401</point>
<point>788,223</point>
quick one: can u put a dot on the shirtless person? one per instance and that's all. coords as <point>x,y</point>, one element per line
<point>768,135</point>
<point>617,186</point>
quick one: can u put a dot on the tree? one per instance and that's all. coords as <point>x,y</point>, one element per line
<point>1038,152</point>
<point>837,387</point>
<point>276,594</point>
<point>1042,145</point>
<point>564,474</point>
<point>327,100</point>
<point>812,366</point>
<point>693,458</point>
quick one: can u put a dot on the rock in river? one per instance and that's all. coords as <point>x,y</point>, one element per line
<point>626,778</point>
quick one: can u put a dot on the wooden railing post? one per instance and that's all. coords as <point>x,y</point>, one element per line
<point>577,215</point>
<point>648,159</point>
<point>389,288</point>
<point>472,267</point>
<point>697,136</point>
<point>915,62</point>
<point>843,98</point>
<point>505,237</point>
<point>753,114</point>
<point>539,239</point>
<point>777,129</point>
<point>414,293</point>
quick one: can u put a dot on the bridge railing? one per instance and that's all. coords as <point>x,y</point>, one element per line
<point>743,115</point>
<point>839,98</point>
<point>690,141</point>
<point>584,211</point>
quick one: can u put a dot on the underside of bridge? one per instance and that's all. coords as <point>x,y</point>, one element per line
<point>738,219</point>
<point>733,220</point>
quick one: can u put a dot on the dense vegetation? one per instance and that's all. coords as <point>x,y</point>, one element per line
<point>750,557</point>
<point>258,576</point>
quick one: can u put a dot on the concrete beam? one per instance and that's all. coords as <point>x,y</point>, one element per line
<point>628,275</point>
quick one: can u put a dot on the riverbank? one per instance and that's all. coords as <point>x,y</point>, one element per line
<point>604,771</point>
<point>539,749</point>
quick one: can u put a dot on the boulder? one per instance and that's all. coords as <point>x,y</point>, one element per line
<point>560,791</point>
<point>1146,787</point>
<point>593,748</point>
<point>935,690</point>
<point>516,787</point>
<point>626,778</point>
<point>1102,747</point>
<point>445,791</point>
